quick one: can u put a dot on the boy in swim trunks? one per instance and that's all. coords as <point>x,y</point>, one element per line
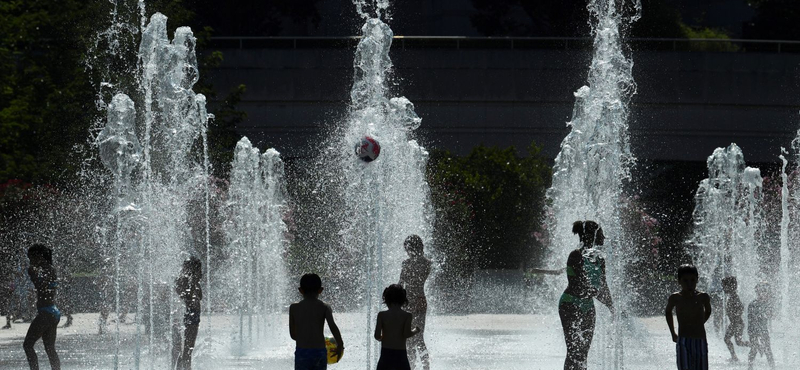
<point>393,328</point>
<point>306,323</point>
<point>693,309</point>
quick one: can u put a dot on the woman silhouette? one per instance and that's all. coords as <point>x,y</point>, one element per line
<point>586,274</point>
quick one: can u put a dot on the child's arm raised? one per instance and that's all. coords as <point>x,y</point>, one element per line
<point>335,331</point>
<point>671,305</point>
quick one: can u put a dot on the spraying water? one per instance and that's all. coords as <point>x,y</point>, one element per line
<point>383,201</point>
<point>595,157</point>
<point>254,229</point>
<point>158,173</point>
<point>120,152</point>
<point>728,221</point>
<point>787,277</point>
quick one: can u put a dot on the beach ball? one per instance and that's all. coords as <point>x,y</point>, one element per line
<point>368,149</point>
<point>330,345</point>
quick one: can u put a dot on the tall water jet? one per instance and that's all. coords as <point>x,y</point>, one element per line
<point>159,165</point>
<point>728,221</point>
<point>173,175</point>
<point>120,152</point>
<point>786,318</point>
<point>380,202</point>
<point>256,241</point>
<point>787,278</point>
<point>595,158</point>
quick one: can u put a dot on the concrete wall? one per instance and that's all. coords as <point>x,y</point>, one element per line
<point>688,103</point>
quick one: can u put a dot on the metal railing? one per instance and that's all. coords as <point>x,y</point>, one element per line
<point>464,42</point>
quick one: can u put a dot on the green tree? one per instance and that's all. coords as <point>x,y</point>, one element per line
<point>499,195</point>
<point>46,98</point>
<point>708,33</point>
<point>48,91</point>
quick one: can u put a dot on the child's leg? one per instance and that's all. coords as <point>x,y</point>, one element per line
<point>569,322</point>
<point>578,332</point>
<point>49,340</point>
<point>739,332</point>
<point>728,335</point>
<point>587,333</point>
<point>754,346</point>
<point>417,347</point>
<point>35,331</point>
<point>190,336</point>
<point>177,346</point>
<point>765,342</point>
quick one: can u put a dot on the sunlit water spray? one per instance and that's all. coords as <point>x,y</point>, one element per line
<point>157,154</point>
<point>255,231</point>
<point>594,164</point>
<point>383,201</point>
<point>728,221</point>
<point>786,293</point>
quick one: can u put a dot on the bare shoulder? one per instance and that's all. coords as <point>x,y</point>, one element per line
<point>703,296</point>
<point>674,297</point>
<point>324,307</point>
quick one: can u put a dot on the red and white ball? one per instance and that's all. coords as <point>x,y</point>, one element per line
<point>368,149</point>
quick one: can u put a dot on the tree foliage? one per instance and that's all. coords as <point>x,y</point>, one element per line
<point>46,98</point>
<point>489,205</point>
<point>48,90</point>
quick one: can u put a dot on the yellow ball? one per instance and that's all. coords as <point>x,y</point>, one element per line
<point>330,345</point>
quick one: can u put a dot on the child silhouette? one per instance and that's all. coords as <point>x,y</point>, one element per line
<point>393,328</point>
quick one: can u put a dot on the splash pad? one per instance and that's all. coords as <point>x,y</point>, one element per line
<point>154,147</point>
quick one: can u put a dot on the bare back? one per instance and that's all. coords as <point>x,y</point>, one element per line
<point>307,322</point>
<point>393,328</point>
<point>413,275</point>
<point>692,309</point>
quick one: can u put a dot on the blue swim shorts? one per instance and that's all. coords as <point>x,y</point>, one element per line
<point>692,353</point>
